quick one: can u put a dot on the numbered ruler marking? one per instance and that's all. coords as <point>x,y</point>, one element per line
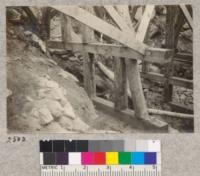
<point>101,170</point>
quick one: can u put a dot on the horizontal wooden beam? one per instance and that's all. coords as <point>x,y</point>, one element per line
<point>152,55</point>
<point>108,107</point>
<point>158,55</point>
<point>103,27</point>
<point>121,51</point>
<point>152,123</point>
<point>184,57</point>
<point>174,80</point>
<point>181,108</point>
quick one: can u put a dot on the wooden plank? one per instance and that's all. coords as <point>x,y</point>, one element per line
<point>120,78</point>
<point>164,113</point>
<point>135,82</point>
<point>66,29</point>
<point>152,55</point>
<point>136,89</point>
<point>98,24</point>
<point>169,43</point>
<point>158,55</point>
<point>184,57</point>
<point>153,77</point>
<point>144,24</point>
<point>123,11</point>
<point>174,80</point>
<point>180,21</point>
<point>187,15</point>
<point>119,20</point>
<point>181,108</point>
<point>108,107</point>
<point>143,27</point>
<point>120,83</point>
<point>89,61</point>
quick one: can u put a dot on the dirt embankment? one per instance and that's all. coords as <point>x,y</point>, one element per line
<point>42,96</point>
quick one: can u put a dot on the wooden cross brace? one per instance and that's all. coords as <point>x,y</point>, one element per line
<point>134,49</point>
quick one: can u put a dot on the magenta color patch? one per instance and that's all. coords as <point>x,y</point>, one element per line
<point>87,158</point>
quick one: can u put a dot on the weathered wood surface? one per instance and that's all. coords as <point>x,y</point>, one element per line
<point>184,58</point>
<point>66,29</point>
<point>142,30</point>
<point>89,60</point>
<point>136,89</point>
<point>169,43</point>
<point>152,55</point>
<point>173,80</point>
<point>177,107</point>
<point>108,107</point>
<point>110,75</point>
<point>120,84</point>
<point>134,78</point>
<point>100,25</point>
<point>119,20</point>
<point>124,12</point>
<point>187,15</point>
<point>59,47</point>
<point>120,78</point>
<point>171,114</point>
<point>144,24</point>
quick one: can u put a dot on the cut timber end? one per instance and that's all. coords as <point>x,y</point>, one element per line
<point>152,55</point>
<point>108,107</point>
<point>152,122</point>
<point>156,54</point>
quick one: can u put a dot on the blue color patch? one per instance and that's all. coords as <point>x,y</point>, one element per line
<point>137,158</point>
<point>150,158</point>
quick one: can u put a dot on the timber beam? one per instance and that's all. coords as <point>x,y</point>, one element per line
<point>121,51</point>
<point>173,80</point>
<point>152,123</point>
<point>152,55</point>
<point>103,27</point>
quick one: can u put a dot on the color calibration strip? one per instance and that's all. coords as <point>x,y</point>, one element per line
<point>100,158</point>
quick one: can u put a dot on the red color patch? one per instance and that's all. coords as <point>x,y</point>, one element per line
<point>99,158</point>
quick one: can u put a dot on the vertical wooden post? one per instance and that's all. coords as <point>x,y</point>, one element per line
<point>133,74</point>
<point>170,43</point>
<point>66,29</point>
<point>88,63</point>
<point>146,18</point>
<point>136,89</point>
<point>120,92</point>
<point>89,60</point>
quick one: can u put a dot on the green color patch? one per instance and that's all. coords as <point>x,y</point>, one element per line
<point>124,157</point>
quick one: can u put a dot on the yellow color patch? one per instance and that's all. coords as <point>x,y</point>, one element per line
<point>112,158</point>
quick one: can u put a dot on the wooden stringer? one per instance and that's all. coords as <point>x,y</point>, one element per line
<point>127,37</point>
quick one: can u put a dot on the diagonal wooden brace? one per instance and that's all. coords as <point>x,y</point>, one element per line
<point>100,25</point>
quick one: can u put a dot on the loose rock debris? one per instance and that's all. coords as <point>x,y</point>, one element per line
<point>44,92</point>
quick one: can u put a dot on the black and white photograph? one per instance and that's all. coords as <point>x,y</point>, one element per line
<point>100,69</point>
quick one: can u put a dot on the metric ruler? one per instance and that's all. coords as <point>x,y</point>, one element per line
<point>100,158</point>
